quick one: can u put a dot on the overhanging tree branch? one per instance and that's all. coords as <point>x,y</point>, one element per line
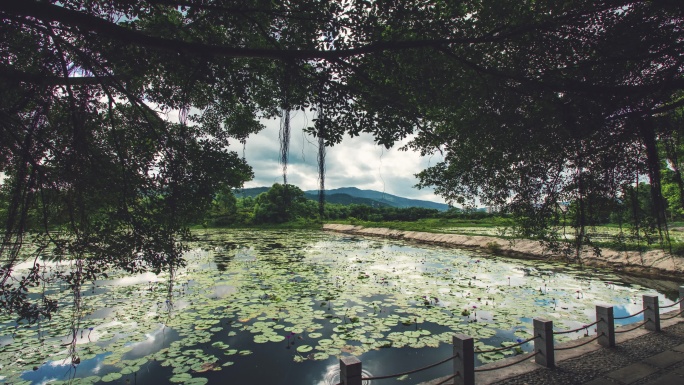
<point>53,13</point>
<point>571,85</point>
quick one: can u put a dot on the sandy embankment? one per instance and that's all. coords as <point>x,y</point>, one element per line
<point>656,262</point>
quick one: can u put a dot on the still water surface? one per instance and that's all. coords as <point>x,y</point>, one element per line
<point>280,307</point>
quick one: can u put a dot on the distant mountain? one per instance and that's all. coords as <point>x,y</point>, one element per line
<point>345,199</point>
<point>342,199</point>
<point>349,195</point>
<point>384,198</point>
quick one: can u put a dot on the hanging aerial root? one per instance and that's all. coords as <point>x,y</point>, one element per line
<point>284,138</point>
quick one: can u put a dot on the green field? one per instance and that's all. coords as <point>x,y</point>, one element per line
<point>609,236</point>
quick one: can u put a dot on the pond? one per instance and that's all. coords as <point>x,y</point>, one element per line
<point>281,307</point>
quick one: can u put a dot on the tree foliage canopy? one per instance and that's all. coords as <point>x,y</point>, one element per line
<point>530,103</point>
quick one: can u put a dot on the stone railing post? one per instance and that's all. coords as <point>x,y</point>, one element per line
<point>681,304</point>
<point>605,328</point>
<point>464,362</point>
<point>543,344</point>
<point>350,371</point>
<point>651,313</point>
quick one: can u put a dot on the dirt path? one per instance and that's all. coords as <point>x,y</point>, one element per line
<point>655,262</point>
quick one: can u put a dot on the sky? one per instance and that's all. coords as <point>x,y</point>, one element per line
<point>355,162</point>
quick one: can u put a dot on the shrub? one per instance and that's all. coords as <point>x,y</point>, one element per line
<point>493,247</point>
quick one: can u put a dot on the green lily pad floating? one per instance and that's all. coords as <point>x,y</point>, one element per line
<point>493,356</point>
<point>203,367</point>
<point>245,352</point>
<point>220,345</point>
<point>276,338</point>
<point>90,379</point>
<point>413,333</point>
<point>196,381</point>
<point>129,369</point>
<point>304,348</point>
<point>111,377</point>
<point>181,378</point>
<point>370,288</point>
<point>180,368</point>
<point>261,339</point>
<point>228,363</point>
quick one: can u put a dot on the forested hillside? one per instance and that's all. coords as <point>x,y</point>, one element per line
<point>353,195</point>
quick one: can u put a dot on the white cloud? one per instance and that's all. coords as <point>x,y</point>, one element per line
<point>356,162</point>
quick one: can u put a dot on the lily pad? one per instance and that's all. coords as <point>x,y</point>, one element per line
<point>111,377</point>
<point>376,294</point>
<point>181,378</point>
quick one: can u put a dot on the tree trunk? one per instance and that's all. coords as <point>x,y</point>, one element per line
<point>648,137</point>
<point>671,147</point>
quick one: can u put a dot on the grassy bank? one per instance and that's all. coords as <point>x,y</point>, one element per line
<point>300,224</point>
<point>484,226</point>
<point>609,236</point>
<point>605,236</point>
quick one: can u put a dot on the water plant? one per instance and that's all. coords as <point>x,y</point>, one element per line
<point>224,319</point>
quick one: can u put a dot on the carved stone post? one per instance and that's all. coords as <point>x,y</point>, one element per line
<point>681,304</point>
<point>350,371</point>
<point>464,363</point>
<point>652,313</point>
<point>543,344</point>
<point>605,328</point>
